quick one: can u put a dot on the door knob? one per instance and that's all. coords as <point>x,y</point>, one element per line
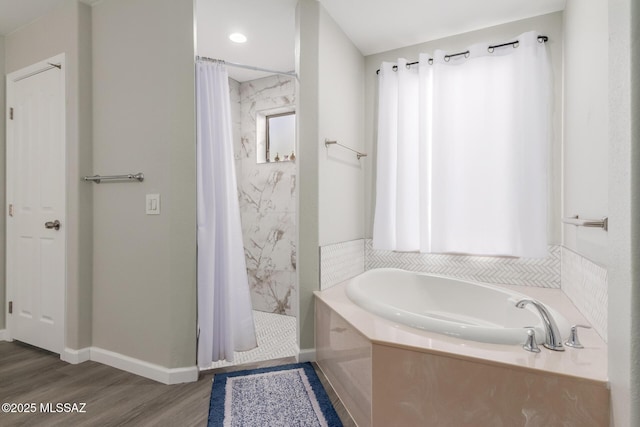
<point>52,224</point>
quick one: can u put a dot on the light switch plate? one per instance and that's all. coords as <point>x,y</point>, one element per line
<point>153,204</point>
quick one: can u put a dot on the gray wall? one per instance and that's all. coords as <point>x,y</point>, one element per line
<point>341,118</point>
<point>2,190</point>
<point>330,101</point>
<point>307,68</point>
<point>142,118</point>
<point>144,267</point>
<point>586,125</point>
<point>550,25</point>
<point>80,243</point>
<point>66,30</point>
<point>624,210</point>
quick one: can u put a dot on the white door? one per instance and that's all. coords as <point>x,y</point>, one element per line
<point>36,237</point>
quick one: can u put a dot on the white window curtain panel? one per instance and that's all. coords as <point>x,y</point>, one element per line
<point>462,152</point>
<point>225,318</point>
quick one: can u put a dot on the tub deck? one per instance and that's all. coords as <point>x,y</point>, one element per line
<point>589,363</point>
<point>387,372</point>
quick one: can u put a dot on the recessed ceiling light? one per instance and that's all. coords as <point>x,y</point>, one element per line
<point>237,38</point>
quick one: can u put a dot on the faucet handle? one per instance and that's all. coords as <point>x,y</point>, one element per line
<point>573,340</point>
<point>530,344</point>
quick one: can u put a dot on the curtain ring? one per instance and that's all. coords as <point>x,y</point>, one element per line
<point>467,54</point>
<point>407,66</point>
<point>394,68</point>
<point>430,61</point>
<point>516,44</point>
<point>490,49</point>
<point>447,58</point>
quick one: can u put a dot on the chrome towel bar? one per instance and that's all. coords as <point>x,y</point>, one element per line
<point>580,222</point>
<point>358,153</point>
<point>128,177</point>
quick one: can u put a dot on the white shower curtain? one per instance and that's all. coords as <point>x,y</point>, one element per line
<point>462,152</point>
<point>225,319</point>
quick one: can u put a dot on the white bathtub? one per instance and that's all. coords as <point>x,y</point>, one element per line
<point>468,310</point>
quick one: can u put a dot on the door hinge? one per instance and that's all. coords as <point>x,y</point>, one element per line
<point>10,209</point>
<point>10,307</point>
<point>11,113</point>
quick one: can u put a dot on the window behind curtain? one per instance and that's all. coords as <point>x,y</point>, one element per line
<point>462,152</point>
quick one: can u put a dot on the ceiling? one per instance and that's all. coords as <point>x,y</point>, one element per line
<point>376,26</point>
<point>373,25</point>
<point>268,24</point>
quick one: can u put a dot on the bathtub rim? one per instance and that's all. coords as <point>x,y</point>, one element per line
<point>354,289</point>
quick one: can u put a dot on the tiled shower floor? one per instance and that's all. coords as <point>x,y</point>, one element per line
<point>276,336</point>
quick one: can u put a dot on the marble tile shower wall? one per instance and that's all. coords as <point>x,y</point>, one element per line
<point>236,122</point>
<point>267,200</point>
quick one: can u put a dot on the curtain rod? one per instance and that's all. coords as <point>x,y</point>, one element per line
<point>541,39</point>
<point>248,67</point>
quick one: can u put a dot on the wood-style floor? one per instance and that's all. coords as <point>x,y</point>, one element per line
<point>112,397</point>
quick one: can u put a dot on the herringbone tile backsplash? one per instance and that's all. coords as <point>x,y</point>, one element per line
<point>542,273</point>
<point>341,261</point>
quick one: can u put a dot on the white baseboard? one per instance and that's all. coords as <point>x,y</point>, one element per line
<point>145,369</point>
<point>125,363</point>
<point>4,335</point>
<point>74,357</point>
<point>307,355</point>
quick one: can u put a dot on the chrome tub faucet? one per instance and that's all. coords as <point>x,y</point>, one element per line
<point>553,340</point>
